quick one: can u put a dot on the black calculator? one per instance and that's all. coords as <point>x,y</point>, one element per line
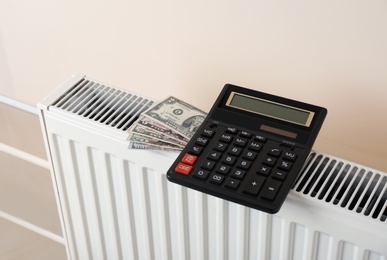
<point>250,149</point>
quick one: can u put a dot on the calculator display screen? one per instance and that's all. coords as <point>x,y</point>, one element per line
<point>271,109</point>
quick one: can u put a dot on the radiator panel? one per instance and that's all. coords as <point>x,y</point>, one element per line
<point>115,208</point>
<point>116,203</point>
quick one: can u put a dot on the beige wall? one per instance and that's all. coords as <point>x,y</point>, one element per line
<point>331,53</point>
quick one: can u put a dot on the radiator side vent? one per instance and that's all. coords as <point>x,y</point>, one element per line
<point>104,104</point>
<point>346,185</point>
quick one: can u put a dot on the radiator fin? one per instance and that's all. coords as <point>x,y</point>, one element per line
<point>93,207</point>
<point>322,244</point>
<point>103,104</point>
<point>297,242</point>
<point>344,185</point>
<point>70,187</point>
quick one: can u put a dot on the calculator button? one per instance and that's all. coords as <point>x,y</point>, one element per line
<point>220,147</point>
<point>249,155</point>
<point>274,152</point>
<point>226,138</point>
<point>260,138</point>
<point>254,146</point>
<point>196,150</point>
<point>269,161</point>
<point>201,141</point>
<point>245,134</point>
<point>290,156</point>
<point>217,179</point>
<point>214,124</point>
<point>200,174</point>
<point>208,165</point>
<point>189,159</point>
<point>279,175</point>
<point>264,170</point>
<point>231,130</point>
<point>238,174</point>
<point>214,156</point>
<point>244,164</point>
<point>236,151</point>
<point>183,168</point>
<point>232,184</point>
<point>240,142</point>
<point>270,189</point>
<point>223,169</point>
<point>285,165</point>
<point>253,185</point>
<point>229,160</point>
<point>208,132</point>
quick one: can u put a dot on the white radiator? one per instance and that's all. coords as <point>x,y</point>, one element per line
<point>116,203</point>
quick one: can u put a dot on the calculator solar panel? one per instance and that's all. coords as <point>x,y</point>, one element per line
<point>250,149</point>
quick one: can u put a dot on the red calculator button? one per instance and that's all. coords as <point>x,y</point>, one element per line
<point>183,168</point>
<point>189,159</point>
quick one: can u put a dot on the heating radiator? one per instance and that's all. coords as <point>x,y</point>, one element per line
<point>115,203</point>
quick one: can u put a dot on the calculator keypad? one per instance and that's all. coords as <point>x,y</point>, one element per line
<point>248,163</point>
<point>250,149</point>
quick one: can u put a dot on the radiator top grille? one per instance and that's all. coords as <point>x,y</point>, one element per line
<point>103,104</point>
<point>345,185</point>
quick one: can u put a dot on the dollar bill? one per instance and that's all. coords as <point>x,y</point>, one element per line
<point>148,132</point>
<point>141,139</point>
<point>134,145</point>
<point>177,115</point>
<point>154,125</point>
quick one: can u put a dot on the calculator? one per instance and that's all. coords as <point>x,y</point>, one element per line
<point>250,149</point>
